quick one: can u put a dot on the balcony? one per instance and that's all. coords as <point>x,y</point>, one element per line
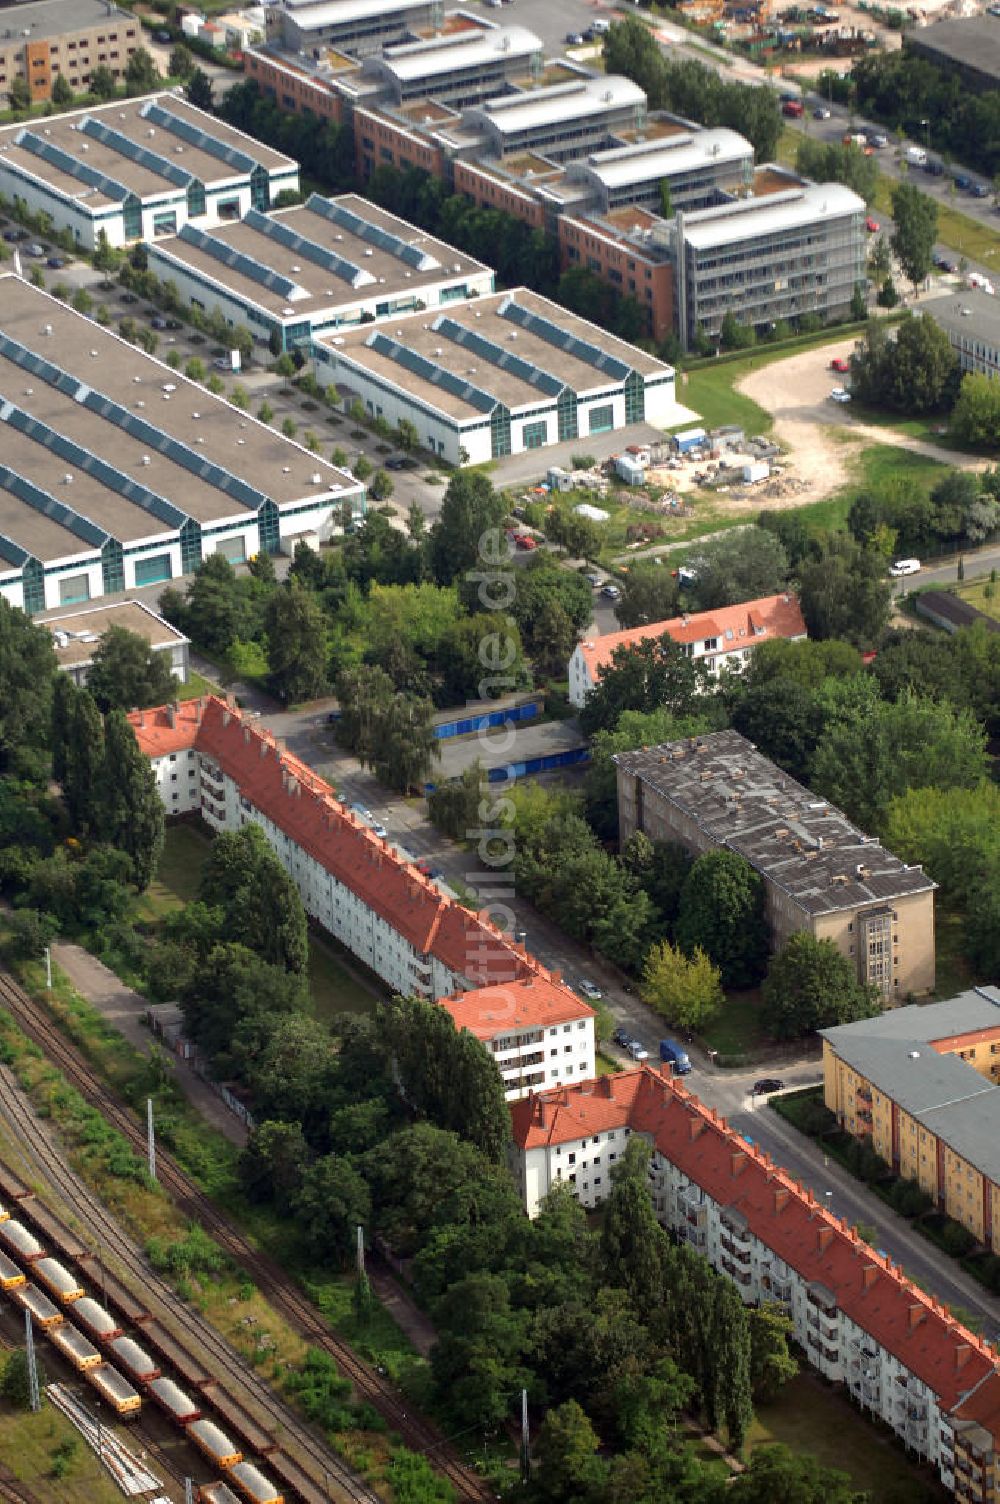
<point>520,1062</point>
<point>736,1272</point>
<point>735,1251</point>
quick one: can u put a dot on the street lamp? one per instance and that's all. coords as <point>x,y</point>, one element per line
<point>927,136</point>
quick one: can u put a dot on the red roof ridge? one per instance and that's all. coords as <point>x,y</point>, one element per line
<point>779,615</point>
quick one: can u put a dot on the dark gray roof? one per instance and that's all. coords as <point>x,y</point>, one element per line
<point>951,611</point>
<point>56,18</point>
<point>970,314</point>
<point>896,1053</point>
<point>973,41</point>
<point>795,839</point>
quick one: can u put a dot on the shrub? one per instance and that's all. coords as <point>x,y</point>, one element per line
<point>31,930</point>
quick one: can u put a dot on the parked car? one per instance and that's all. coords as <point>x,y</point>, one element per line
<point>962,181</point>
<point>591,993</point>
<point>525,541</point>
<point>56,262</point>
<point>821,112</point>
<point>162,36</point>
<point>14,236</point>
<point>395,462</point>
<point>423,865</point>
<point>840,394</point>
<point>158,323</point>
<point>878,139</point>
<point>838,363</point>
<point>574,39</point>
<point>637,1050</point>
<point>593,579</point>
<point>221,364</point>
<point>767,1084</point>
<point>611,593</point>
<point>902,567</point>
<point>622,1037</point>
<point>980,190</point>
<point>676,1056</point>
<point>129,297</point>
<point>872,225</point>
<point>34,249</point>
<point>792,108</point>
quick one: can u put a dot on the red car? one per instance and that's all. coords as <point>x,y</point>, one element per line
<point>840,364</point>
<point>524,541</point>
<point>872,225</point>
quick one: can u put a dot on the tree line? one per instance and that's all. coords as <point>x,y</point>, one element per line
<point>905,92</point>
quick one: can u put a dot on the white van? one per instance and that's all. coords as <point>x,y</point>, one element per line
<point>600,28</point>
<point>903,567</point>
<point>915,156</point>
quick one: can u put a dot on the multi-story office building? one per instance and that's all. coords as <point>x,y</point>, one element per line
<point>629,249</point>
<point>67,39</point>
<point>821,874</point>
<point>696,167</point>
<point>972,323</point>
<point>722,639</point>
<point>776,256</point>
<point>538,1031</point>
<point>210,759</point>
<point>920,1084</point>
<point>460,69</point>
<point>139,168</point>
<point>861,1323</point>
<point>358,27</point>
<point>189,475</point>
<point>560,122</point>
<point>329,264</point>
<point>498,375</point>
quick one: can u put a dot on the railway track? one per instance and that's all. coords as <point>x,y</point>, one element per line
<point>268,1276</point>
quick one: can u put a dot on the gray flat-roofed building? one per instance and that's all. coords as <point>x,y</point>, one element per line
<point>460,69</point>
<point>328,264</point>
<point>561,121</point>
<point>116,472</point>
<point>696,166</point>
<point>821,874</point>
<point>76,635</point>
<point>971,320</point>
<point>139,168</point>
<point>968,46</point>
<point>777,256</point>
<point>357,27</point>
<point>498,375</point>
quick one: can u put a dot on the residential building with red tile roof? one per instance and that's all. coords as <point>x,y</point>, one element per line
<point>211,759</point>
<point>715,638</point>
<point>537,1029</point>
<point>726,636</point>
<point>857,1317</point>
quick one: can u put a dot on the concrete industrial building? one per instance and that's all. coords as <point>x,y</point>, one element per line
<point>721,639</point>
<point>67,39</point>
<point>898,1352</point>
<point>329,264</point>
<point>76,635</point>
<point>210,759</point>
<point>920,1085</point>
<point>497,376</point>
<point>968,47</point>
<point>821,874</point>
<point>190,474</point>
<point>971,320</point>
<point>139,168</point>
<point>801,250</point>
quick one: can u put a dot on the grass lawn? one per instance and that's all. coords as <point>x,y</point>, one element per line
<point>809,1417</point>
<point>736,1030</point>
<point>976,595</point>
<point>28,1444</point>
<point>885,462</point>
<point>711,391</point>
<point>196,686</point>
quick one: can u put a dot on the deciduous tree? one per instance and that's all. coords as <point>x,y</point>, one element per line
<point>722,912</point>
<point>468,535</point>
<point>296,639</point>
<point>127,674</point>
<point>131,809</point>
<point>915,215</point>
<point>809,986</point>
<point>686,992</point>
<point>27,672</point>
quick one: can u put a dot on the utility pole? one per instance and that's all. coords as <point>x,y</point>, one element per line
<point>525,1439</point>
<point>188,1491</point>
<point>151,1138</point>
<point>34,1398</point>
<point>361,1251</point>
<point>48,968</point>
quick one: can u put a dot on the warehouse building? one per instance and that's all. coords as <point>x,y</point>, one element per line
<point>139,168</point>
<point>76,636</point>
<point>967,46</point>
<point>497,376</point>
<point>696,166</point>
<point>190,474</point>
<point>63,39</point>
<point>775,256</point>
<point>821,874</point>
<point>211,760</point>
<point>720,640</point>
<point>460,69</point>
<point>920,1085</point>
<point>899,1353</point>
<point>971,320</point>
<point>329,264</point>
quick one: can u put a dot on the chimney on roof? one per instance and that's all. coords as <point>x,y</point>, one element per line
<point>142,719</point>
<point>604,1086</point>
<point>916,1314</point>
<point>540,1108</point>
<point>869,1275</point>
<point>696,1126</point>
<point>781,1197</point>
<point>171,715</point>
<point>962,1355</point>
<point>738,1162</point>
<point>825,1238</point>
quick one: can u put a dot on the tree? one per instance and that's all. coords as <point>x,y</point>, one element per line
<point>914,372</point>
<point>258,899</point>
<point>975,418</point>
<point>381,487</point>
<point>832,162</point>
<point>688,993</point>
<point>745,564</point>
<point>84,764</point>
<point>732,1361</point>
<point>141,74</point>
<point>771,1363</point>
<point>181,63</point>
<point>649,593</point>
<point>15,1384</point>
<point>652,674</point>
<point>555,637</point>
<point>568,1468</point>
<point>331,1203</point>
<point>810,985</point>
<point>364,696</point>
<point>633,1244</point>
<point>19,94</point>
<point>468,536</point>
<point>212,614</point>
<point>273,1164</point>
<point>406,746</point>
<point>198,90</point>
<point>783,719</point>
<point>127,674</point>
<point>845,594</point>
<point>776,1475</point>
<point>407,436</point>
<point>30,933</point>
<point>82,301</point>
<point>296,637</point>
<point>916,220</point>
<point>62,91</point>
<point>27,671</point>
<point>861,764</point>
<point>131,809</point>
<point>64,693</point>
<point>722,912</point>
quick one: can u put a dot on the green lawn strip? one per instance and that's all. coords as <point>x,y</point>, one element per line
<point>196,686</point>
<point>975,594</point>
<point>736,1031</point>
<point>810,1417</point>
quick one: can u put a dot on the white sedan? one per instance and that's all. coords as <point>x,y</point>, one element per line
<point>840,394</point>
<point>589,990</point>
